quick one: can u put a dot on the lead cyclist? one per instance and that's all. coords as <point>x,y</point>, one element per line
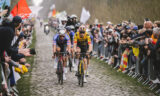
<point>82,44</point>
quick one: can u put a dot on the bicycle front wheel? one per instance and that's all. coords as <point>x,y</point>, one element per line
<point>60,72</point>
<point>82,75</point>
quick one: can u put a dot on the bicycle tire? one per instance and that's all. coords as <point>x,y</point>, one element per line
<point>60,72</point>
<point>79,76</point>
<point>70,64</point>
<point>61,79</point>
<point>82,75</point>
<point>61,75</point>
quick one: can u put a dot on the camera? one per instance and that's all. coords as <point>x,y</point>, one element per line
<point>8,8</point>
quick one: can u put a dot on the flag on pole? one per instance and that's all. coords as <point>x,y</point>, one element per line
<point>21,9</point>
<point>85,15</point>
<point>54,13</point>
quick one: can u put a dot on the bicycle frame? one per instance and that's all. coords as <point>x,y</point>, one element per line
<point>81,70</point>
<point>60,67</point>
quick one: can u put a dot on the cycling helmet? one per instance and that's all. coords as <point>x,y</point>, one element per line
<point>62,32</point>
<point>78,25</point>
<point>73,16</point>
<point>68,28</point>
<point>72,27</point>
<point>63,19</point>
<point>82,28</point>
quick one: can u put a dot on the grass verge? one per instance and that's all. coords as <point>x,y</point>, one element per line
<point>24,83</point>
<point>125,79</point>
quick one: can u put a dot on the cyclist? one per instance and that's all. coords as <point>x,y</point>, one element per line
<point>71,33</point>
<point>61,43</point>
<point>82,44</point>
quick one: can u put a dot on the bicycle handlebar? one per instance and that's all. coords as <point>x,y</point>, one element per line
<point>62,53</point>
<point>83,53</point>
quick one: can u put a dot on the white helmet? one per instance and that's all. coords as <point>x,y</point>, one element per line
<point>62,32</point>
<point>63,19</point>
<point>72,27</point>
<point>73,16</point>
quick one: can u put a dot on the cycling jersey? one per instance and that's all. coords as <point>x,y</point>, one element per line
<point>61,43</point>
<point>71,35</point>
<point>91,38</point>
<point>85,41</point>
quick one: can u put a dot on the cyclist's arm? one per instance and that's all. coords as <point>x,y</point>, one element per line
<point>68,44</point>
<point>54,45</point>
<point>89,43</point>
<point>75,42</point>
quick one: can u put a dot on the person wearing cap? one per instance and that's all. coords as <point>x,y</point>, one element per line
<point>7,33</point>
<point>61,43</point>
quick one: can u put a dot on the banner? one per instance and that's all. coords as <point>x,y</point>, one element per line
<point>54,13</point>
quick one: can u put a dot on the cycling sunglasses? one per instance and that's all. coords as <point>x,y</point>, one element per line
<point>62,36</point>
<point>82,32</point>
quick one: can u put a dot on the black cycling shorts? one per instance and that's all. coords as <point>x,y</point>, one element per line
<point>63,48</point>
<point>84,49</point>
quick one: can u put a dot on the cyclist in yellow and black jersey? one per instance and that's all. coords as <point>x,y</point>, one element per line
<point>82,44</point>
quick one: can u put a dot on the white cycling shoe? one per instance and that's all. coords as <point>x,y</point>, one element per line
<point>55,65</point>
<point>64,77</point>
<point>85,80</point>
<point>75,68</point>
<point>65,70</point>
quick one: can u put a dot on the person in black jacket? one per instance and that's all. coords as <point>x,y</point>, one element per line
<point>155,52</point>
<point>7,33</point>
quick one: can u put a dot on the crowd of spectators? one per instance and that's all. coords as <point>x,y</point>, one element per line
<point>131,49</point>
<point>15,38</point>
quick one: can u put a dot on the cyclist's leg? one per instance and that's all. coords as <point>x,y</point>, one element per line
<point>85,66</point>
<point>64,57</point>
<point>56,57</point>
<point>64,61</point>
<point>77,58</point>
<point>72,56</point>
<point>84,50</point>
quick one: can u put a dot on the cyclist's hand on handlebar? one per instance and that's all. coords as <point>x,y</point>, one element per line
<point>88,52</point>
<point>53,56</point>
